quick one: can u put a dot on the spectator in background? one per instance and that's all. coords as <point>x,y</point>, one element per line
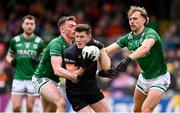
<point>153,23</point>
<point>5,69</point>
<point>48,32</point>
<point>24,52</point>
<point>115,28</point>
<point>100,26</point>
<point>122,85</point>
<point>174,11</point>
<point>177,81</point>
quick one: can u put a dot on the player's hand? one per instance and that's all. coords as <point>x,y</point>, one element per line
<point>13,62</point>
<point>123,64</point>
<point>87,60</point>
<point>79,78</point>
<point>96,43</point>
<point>108,73</point>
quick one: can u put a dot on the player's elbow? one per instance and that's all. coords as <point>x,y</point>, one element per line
<point>56,71</point>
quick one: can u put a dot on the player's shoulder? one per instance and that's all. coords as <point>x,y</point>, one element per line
<point>16,38</point>
<point>71,52</point>
<point>58,39</point>
<point>38,39</point>
<point>149,30</point>
<point>55,40</point>
<point>72,48</point>
<point>127,36</point>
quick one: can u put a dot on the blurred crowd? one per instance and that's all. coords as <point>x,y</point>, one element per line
<point>109,21</point>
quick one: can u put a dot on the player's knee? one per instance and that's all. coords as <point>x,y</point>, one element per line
<point>146,109</point>
<point>30,108</point>
<point>16,108</point>
<point>61,103</point>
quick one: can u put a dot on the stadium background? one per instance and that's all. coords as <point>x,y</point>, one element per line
<point>109,20</point>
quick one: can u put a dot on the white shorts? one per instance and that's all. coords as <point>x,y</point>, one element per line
<point>39,83</point>
<point>62,88</point>
<point>23,87</point>
<point>160,83</point>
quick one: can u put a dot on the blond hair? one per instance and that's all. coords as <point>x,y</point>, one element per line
<point>142,11</point>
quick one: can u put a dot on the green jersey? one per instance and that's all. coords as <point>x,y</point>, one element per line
<point>25,50</point>
<point>56,47</point>
<point>153,63</point>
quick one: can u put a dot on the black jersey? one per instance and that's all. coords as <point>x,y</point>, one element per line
<point>88,82</point>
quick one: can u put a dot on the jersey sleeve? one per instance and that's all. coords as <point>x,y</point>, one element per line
<point>151,34</point>
<point>56,49</point>
<point>122,41</point>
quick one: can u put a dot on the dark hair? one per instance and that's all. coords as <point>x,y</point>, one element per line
<point>30,17</point>
<point>83,27</point>
<point>63,19</point>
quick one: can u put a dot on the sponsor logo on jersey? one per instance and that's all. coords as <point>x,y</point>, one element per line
<point>27,45</point>
<point>27,53</point>
<point>18,45</point>
<point>35,46</point>
<point>69,60</point>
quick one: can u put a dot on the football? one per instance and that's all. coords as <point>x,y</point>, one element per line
<point>91,50</point>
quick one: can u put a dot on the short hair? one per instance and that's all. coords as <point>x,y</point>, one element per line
<point>30,17</point>
<point>83,27</point>
<point>63,19</point>
<point>142,10</point>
